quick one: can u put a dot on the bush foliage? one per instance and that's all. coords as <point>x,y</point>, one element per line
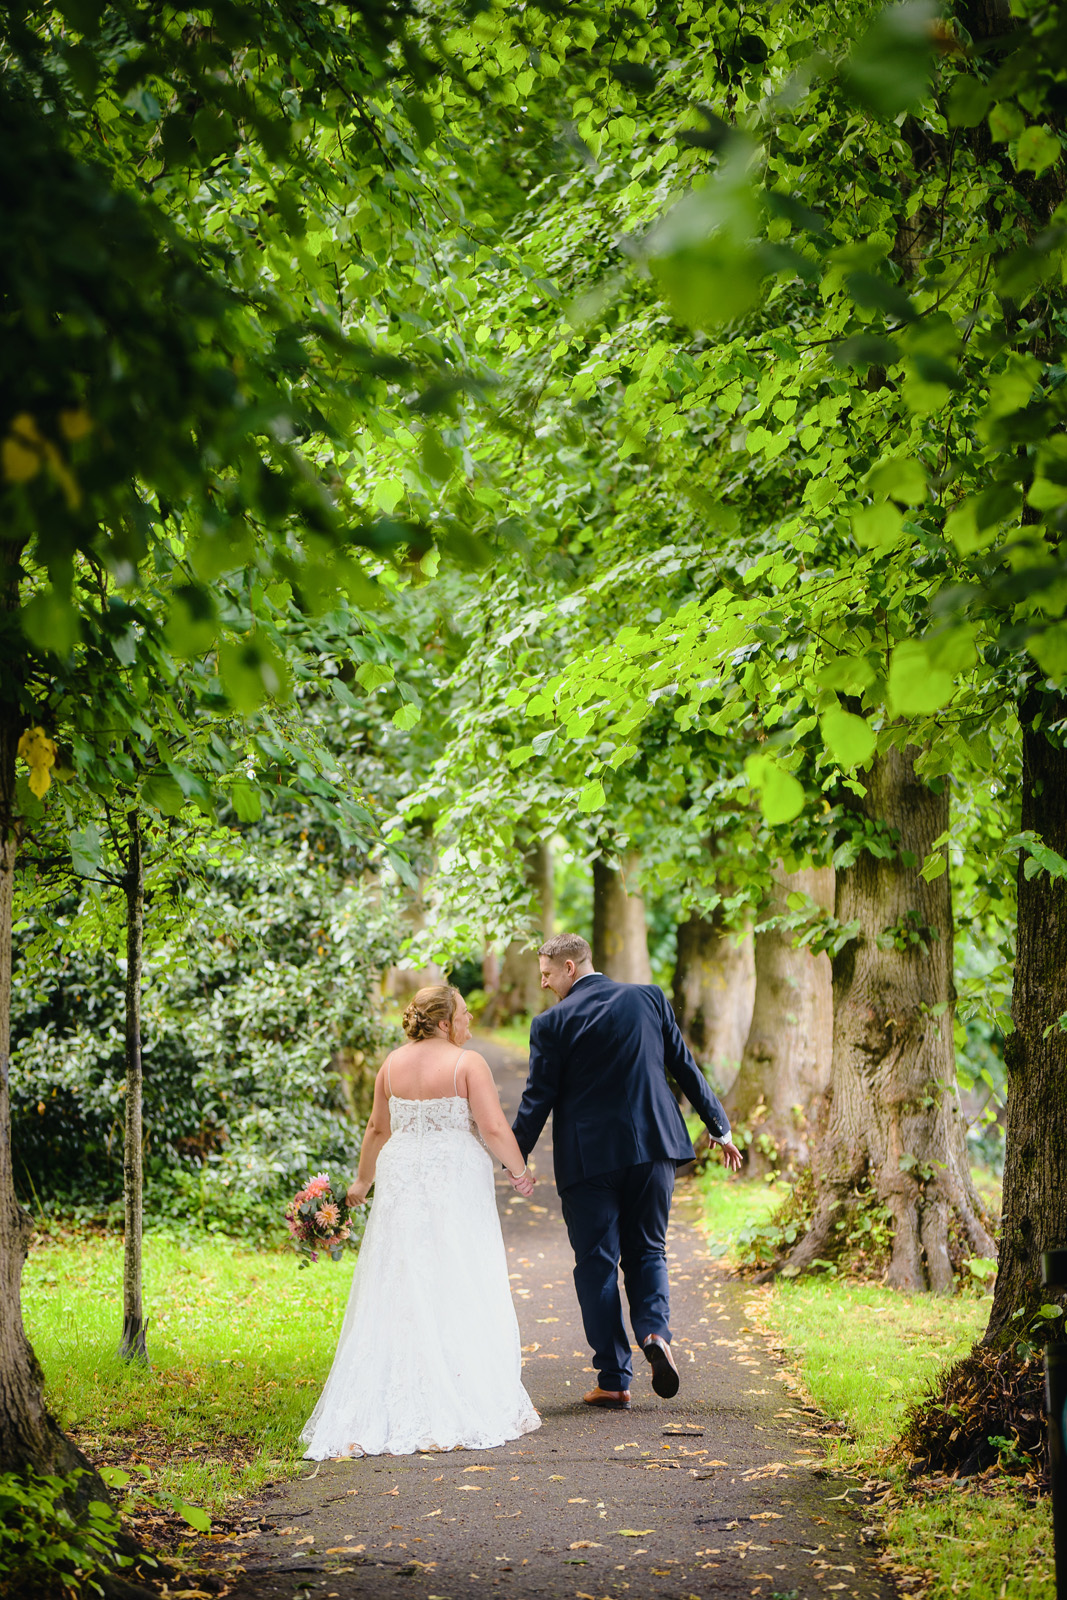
<point>261,1037</point>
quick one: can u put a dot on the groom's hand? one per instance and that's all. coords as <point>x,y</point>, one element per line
<point>732,1156</point>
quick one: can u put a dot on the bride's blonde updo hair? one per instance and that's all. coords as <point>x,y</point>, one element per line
<point>430,1006</point>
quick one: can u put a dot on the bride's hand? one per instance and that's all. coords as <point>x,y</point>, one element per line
<point>523,1185</point>
<point>357,1193</point>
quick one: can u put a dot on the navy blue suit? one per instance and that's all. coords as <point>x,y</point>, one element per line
<point>599,1062</point>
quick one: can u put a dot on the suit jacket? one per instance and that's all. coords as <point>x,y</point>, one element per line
<point>599,1062</point>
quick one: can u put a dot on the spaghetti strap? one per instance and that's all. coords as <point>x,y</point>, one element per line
<point>455,1076</point>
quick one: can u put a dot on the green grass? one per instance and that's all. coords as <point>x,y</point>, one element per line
<point>865,1351</point>
<point>732,1203</point>
<point>240,1345</point>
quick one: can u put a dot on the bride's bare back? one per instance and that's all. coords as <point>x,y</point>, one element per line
<point>436,1068</point>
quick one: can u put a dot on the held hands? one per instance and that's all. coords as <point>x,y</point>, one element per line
<point>357,1192</point>
<point>523,1184</point>
<point>732,1156</point>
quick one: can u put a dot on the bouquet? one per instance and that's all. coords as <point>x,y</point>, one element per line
<point>318,1219</point>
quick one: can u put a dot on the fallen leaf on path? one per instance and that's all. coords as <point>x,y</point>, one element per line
<point>577,1502</point>
<point>471,1488</point>
<point>428,1514</point>
<point>389,1491</point>
<point>344,1549</point>
<point>310,1539</point>
<point>528,1347</point>
<point>766,1516</point>
<point>557,1477</point>
<point>585,1544</point>
<point>637,1533</point>
<point>479,1469</point>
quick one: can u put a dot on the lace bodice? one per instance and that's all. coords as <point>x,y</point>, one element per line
<point>447,1114</point>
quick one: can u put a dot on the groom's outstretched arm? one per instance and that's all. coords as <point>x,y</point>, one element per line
<point>685,1072</point>
<point>542,1087</point>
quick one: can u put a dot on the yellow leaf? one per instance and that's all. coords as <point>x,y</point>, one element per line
<point>635,1533</point>
<point>585,1544</point>
<point>39,753</point>
<point>75,424</point>
<point>471,1488</point>
<point>479,1469</point>
<point>23,450</point>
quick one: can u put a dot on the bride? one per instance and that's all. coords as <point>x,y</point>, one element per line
<point>428,1357</point>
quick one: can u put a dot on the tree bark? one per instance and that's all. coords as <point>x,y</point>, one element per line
<point>713,990</point>
<point>780,1092</point>
<point>1035,1144</point>
<point>895,1122</point>
<point>620,934</point>
<point>29,1436</point>
<point>134,1324</point>
<point>519,991</point>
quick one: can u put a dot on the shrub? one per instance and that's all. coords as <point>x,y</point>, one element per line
<point>261,1034</point>
<point>46,1548</point>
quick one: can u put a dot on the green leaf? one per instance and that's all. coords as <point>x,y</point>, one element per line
<point>373,675</point>
<point>1049,650</point>
<point>1006,122</point>
<point>592,796</point>
<point>194,1516</point>
<point>191,624</point>
<point>850,739</point>
<point>889,69</point>
<point>1037,150</point>
<point>781,797</point>
<point>915,687</point>
<point>879,527</point>
<point>702,254</point>
<point>935,864</point>
<point>85,853</point>
<point>50,622</point>
<point>899,477</point>
<point>162,793</point>
<point>406,718</point>
<point>246,800</point>
<point>253,671</point>
<point>114,1477</point>
<point>968,102</point>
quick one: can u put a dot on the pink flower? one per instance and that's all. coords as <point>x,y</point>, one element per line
<point>328,1216</point>
<point>317,1186</point>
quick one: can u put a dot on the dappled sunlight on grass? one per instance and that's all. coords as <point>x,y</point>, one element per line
<point>240,1344</point>
<point>731,1203</point>
<point>867,1351</point>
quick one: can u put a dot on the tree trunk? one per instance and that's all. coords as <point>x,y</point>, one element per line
<point>1035,1143</point>
<point>779,1095</point>
<point>134,1324</point>
<point>519,992</point>
<point>895,1122</point>
<point>620,935</point>
<point>29,1436</point>
<point>712,991</point>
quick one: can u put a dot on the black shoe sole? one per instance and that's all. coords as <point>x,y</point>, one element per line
<point>665,1380</point>
<point>607,1405</point>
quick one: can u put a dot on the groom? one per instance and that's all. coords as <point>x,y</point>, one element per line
<point>599,1062</point>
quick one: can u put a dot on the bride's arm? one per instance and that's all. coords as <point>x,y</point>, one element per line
<point>376,1133</point>
<point>489,1115</point>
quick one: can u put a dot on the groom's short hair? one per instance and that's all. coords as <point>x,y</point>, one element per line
<point>567,947</point>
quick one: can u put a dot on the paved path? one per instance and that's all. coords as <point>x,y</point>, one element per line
<point>717,1492</point>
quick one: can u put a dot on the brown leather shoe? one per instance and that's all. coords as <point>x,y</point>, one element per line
<point>608,1399</point>
<point>665,1378</point>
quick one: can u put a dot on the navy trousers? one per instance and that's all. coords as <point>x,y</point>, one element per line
<point>620,1218</point>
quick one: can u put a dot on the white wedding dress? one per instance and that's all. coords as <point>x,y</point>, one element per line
<point>428,1357</point>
